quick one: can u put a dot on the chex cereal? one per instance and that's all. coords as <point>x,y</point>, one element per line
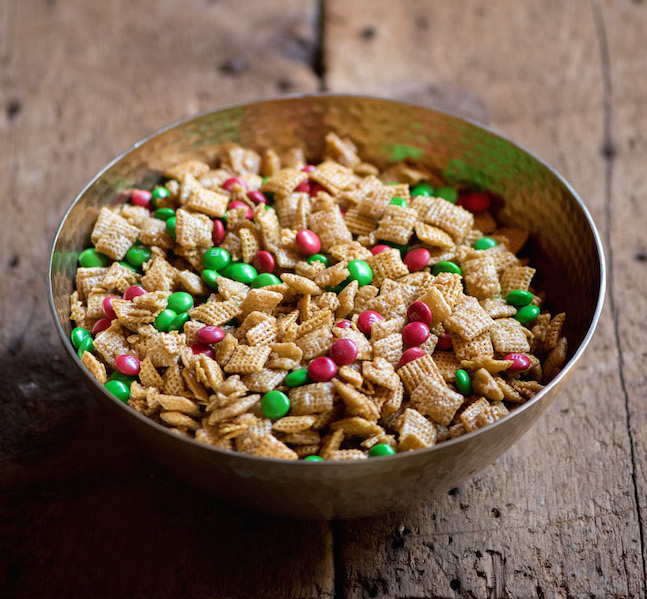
<point>263,304</point>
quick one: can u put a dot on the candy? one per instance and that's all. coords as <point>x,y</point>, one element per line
<point>308,168</point>
<point>90,258</point>
<point>78,335</point>
<point>241,272</point>
<point>343,352</point>
<point>164,213</point>
<point>101,325</point>
<point>422,189</point>
<point>275,404</point>
<point>378,249</point>
<point>322,369</point>
<point>257,197</point>
<point>344,324</point>
<point>313,458</point>
<point>229,183</point>
<point>519,298</point>
<point>200,348</point>
<point>85,345</point>
<point>137,255</point>
<point>415,333</point>
<point>216,258</point>
<point>318,258</point>
<point>485,243</point>
<point>108,310</point>
<point>142,197</point>
<point>419,312</point>
<point>129,266</point>
<point>413,353</point>
<point>209,277</point>
<point>527,314</point>
<point>307,242</point>
<point>218,234</point>
<point>303,187</point>
<point>159,193</point>
<point>463,382</point>
<point>360,271</point>
<point>127,364</point>
<point>134,291</point>
<point>446,266</point>
<point>263,262</point>
<point>119,389</point>
<point>170,226</point>
<point>366,319</point>
<point>209,334</point>
<point>296,378</point>
<point>379,450</point>
<point>178,322</point>
<point>238,204</point>
<point>445,342</point>
<point>475,202</point>
<point>164,319</point>
<point>519,361</point>
<point>265,279</point>
<point>417,259</point>
<point>447,193</point>
<point>399,202</point>
<point>180,301</point>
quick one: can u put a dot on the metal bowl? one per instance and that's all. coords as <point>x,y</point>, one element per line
<point>565,245</point>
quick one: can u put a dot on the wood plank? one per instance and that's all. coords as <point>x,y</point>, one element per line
<point>556,516</point>
<point>84,513</point>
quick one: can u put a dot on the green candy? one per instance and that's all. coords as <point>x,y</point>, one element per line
<point>399,202</point>
<point>485,243</point>
<point>170,226</point>
<point>296,378</point>
<point>447,193</point>
<point>319,258</point>
<point>163,213</point>
<point>265,279</point>
<point>447,266</point>
<point>180,301</point>
<point>422,189</point>
<point>216,259</point>
<point>527,314</point>
<point>129,266</point>
<point>159,193</point>
<point>85,345</point>
<point>78,335</point>
<point>119,389</point>
<point>90,258</point>
<point>164,319</point>
<point>519,298</point>
<point>360,271</point>
<point>124,378</point>
<point>209,277</point>
<point>137,255</point>
<point>313,458</point>
<point>398,246</point>
<point>275,404</point>
<point>241,272</point>
<point>178,322</point>
<point>463,382</point>
<point>381,449</point>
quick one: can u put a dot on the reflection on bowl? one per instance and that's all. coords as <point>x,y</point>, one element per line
<point>563,239</point>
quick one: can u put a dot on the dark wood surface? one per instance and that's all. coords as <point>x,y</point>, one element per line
<point>84,514</point>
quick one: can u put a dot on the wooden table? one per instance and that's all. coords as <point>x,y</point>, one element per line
<point>84,514</point>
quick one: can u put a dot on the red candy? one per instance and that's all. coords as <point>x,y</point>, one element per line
<point>127,364</point>
<point>101,325</point>
<point>308,168</point>
<point>378,249</point>
<point>445,342</point>
<point>413,353</point>
<point>475,202</point>
<point>322,369</point>
<point>315,188</point>
<point>218,234</point>
<point>229,183</point>
<point>519,361</point>
<point>238,204</point>
<point>307,242</point>
<point>108,310</point>
<point>415,333</point>
<point>208,335</point>
<point>134,291</point>
<point>257,197</point>
<point>141,197</point>
<point>343,324</point>
<point>366,320</point>
<point>419,312</point>
<point>263,262</point>
<point>343,352</point>
<point>303,187</point>
<point>199,348</point>
<point>417,259</point>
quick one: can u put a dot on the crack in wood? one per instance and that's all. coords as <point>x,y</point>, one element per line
<point>607,95</point>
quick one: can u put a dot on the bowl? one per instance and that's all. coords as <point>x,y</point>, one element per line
<point>563,241</point>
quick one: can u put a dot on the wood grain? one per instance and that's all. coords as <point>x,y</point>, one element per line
<point>545,520</point>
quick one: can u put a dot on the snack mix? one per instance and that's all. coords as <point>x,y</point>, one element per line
<point>324,312</point>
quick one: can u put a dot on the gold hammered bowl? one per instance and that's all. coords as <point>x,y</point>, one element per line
<point>563,242</point>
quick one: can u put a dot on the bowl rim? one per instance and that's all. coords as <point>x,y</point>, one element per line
<point>327,464</point>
